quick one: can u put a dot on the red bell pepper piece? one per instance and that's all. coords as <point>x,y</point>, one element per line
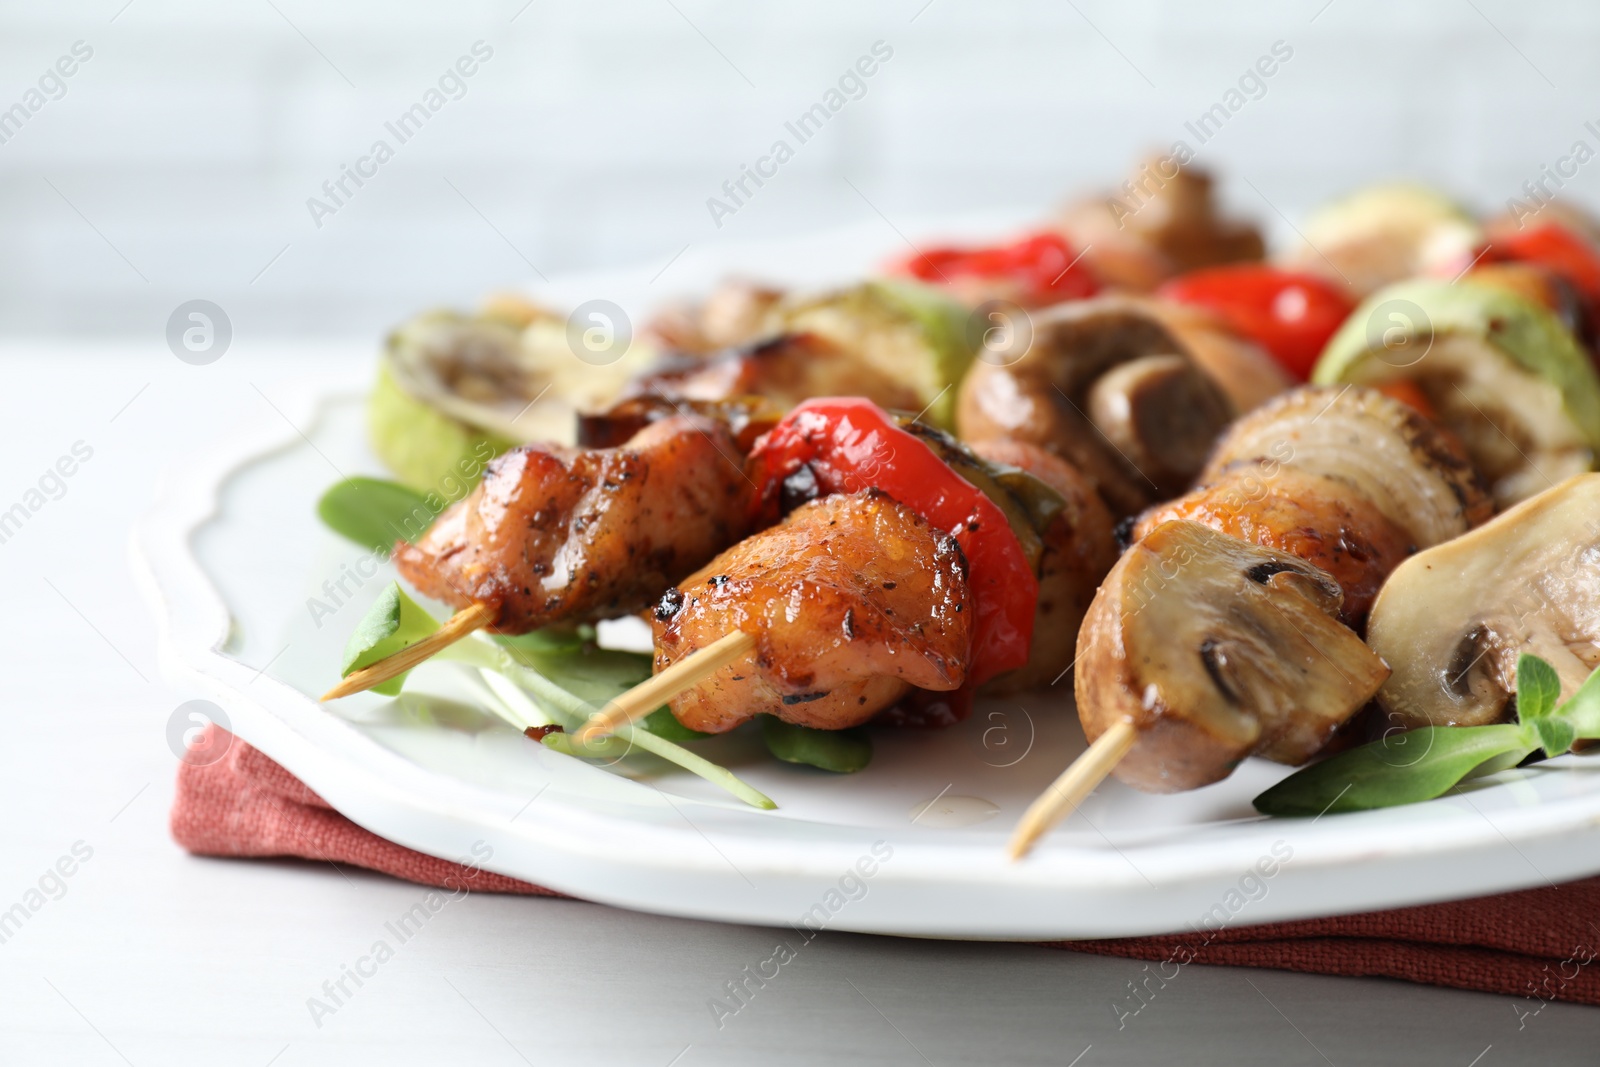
<point>1288,313</point>
<point>1043,266</point>
<point>847,444</point>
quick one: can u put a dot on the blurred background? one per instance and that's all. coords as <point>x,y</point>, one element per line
<point>177,160</point>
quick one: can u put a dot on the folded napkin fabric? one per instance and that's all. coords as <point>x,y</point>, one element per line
<point>1537,944</point>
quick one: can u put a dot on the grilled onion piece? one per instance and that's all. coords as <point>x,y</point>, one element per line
<point>1453,620</point>
<point>1500,372</point>
<point>1383,450</point>
<point>1215,649</point>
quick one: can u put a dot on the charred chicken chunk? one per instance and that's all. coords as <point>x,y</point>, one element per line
<point>1216,649</point>
<point>1308,515</point>
<point>853,600</point>
<point>559,534</point>
<point>785,369</point>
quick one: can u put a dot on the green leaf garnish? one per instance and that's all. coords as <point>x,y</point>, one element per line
<point>1583,710</point>
<point>1427,763</point>
<point>393,622</point>
<point>375,513</point>
<point>1401,769</point>
<point>663,723</point>
<point>594,677</point>
<point>840,751</point>
<point>1538,688</point>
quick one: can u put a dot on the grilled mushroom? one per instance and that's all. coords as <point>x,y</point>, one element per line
<point>1383,450</point>
<point>1453,620</point>
<point>1216,649</point>
<point>1088,390</point>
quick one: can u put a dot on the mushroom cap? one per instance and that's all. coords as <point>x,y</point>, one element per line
<point>1216,649</point>
<point>1452,621</point>
<point>1138,436</point>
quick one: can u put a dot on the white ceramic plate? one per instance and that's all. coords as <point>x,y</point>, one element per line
<point>232,555</point>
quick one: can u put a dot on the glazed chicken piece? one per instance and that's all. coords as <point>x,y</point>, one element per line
<point>1317,518</point>
<point>853,599</point>
<point>785,369</point>
<point>558,534</point>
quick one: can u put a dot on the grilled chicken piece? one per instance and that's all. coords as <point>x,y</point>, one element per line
<point>1215,649</point>
<point>785,369</point>
<point>559,534</point>
<point>1309,515</point>
<point>853,600</point>
<point>733,314</point>
<point>1079,547</point>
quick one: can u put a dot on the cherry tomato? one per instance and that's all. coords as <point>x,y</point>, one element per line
<point>1558,248</point>
<point>847,444</point>
<point>1288,313</point>
<point>1043,266</point>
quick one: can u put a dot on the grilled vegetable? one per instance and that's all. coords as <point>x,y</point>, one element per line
<point>1499,371</point>
<point>1107,386</point>
<point>1216,649</point>
<point>1453,621</point>
<point>1382,450</point>
<point>1384,233</point>
<point>908,333</point>
<point>455,390</point>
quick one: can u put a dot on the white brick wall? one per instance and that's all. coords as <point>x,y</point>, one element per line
<point>193,137</point>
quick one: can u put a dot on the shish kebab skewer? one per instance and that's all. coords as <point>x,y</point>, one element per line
<point>1226,629</point>
<point>850,611</point>
<point>557,534</point>
<point>1051,528</point>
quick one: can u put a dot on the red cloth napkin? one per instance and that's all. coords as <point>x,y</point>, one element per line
<point>1538,943</point>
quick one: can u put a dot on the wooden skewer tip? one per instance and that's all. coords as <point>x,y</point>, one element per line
<point>457,626</point>
<point>1072,787</point>
<point>659,689</point>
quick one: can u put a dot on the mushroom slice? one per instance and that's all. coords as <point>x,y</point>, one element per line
<point>1499,371</point>
<point>1070,394</point>
<point>1216,649</point>
<point>1384,450</point>
<point>1160,412</point>
<point>733,314</point>
<point>1453,620</point>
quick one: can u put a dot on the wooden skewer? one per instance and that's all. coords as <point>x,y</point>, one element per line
<point>1075,783</point>
<point>650,694</point>
<point>454,629</point>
